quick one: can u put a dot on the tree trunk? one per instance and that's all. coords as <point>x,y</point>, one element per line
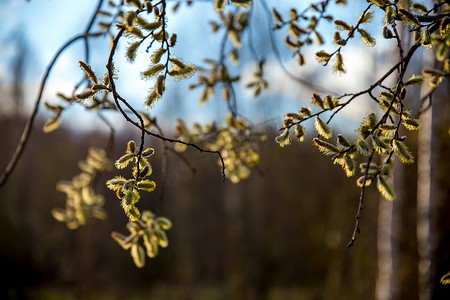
<point>235,263</point>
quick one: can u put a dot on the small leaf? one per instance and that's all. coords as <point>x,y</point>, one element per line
<point>52,123</point>
<point>349,165</point>
<point>131,147</point>
<point>343,141</point>
<point>363,147</point>
<point>317,100</point>
<point>380,146</point>
<point>156,57</point>
<point>339,64</point>
<point>366,18</point>
<point>323,57</point>
<point>322,128</point>
<point>341,25</point>
<point>146,185</point>
<point>132,213</point>
<point>162,238</point>
<point>151,100</point>
<point>402,152</point>
<point>59,214</point>
<point>445,279</point>
<point>85,95</point>
<point>132,50</point>
<point>408,18</point>
<point>116,183</point>
<point>389,15</point>
<point>385,188</point>
<point>360,181</point>
<point>283,139</point>
<point>366,38</point>
<point>151,246</point>
<point>160,85</point>
<point>153,70</point>
<point>165,223</point>
<point>325,147</point>
<point>88,71</point>
<point>138,254</point>
<point>415,80</point>
<point>299,132</point>
<point>124,160</point>
<point>148,152</point>
<point>173,40</point>
<point>121,239</point>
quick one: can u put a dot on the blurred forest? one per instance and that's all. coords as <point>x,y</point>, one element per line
<point>281,234</point>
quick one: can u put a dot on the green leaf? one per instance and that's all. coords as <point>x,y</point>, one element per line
<point>124,160</point>
<point>150,245</point>
<point>379,145</point>
<point>132,213</point>
<point>339,64</point>
<point>322,128</point>
<point>165,223</point>
<point>363,147</point>
<point>325,147</point>
<point>146,25</point>
<point>138,254</point>
<point>349,165</point>
<point>88,71</point>
<point>146,185</point>
<point>341,25</point>
<point>317,100</point>
<point>415,80</point>
<point>152,71</point>
<point>85,95</point>
<point>366,38</point>
<point>360,181</point>
<point>323,57</point>
<point>283,139</point>
<point>116,183</point>
<point>156,56</point>
<point>148,152</point>
<point>366,18</point>
<point>122,240</point>
<point>445,279</point>
<point>402,152</point>
<point>408,18</point>
<point>151,100</point>
<point>162,238</point>
<point>59,214</point>
<point>132,50</point>
<point>385,188</point>
<point>131,147</point>
<point>52,123</point>
<point>389,15</point>
<point>299,132</point>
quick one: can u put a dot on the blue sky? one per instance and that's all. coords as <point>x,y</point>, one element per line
<point>47,24</point>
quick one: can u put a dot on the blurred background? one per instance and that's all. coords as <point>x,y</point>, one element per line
<point>281,234</point>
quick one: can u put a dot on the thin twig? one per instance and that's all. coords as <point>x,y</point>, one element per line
<point>140,125</point>
<point>29,126</point>
<point>356,231</point>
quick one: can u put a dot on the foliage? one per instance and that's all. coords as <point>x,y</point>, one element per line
<point>151,230</point>
<point>81,201</point>
<point>127,189</point>
<point>143,24</point>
